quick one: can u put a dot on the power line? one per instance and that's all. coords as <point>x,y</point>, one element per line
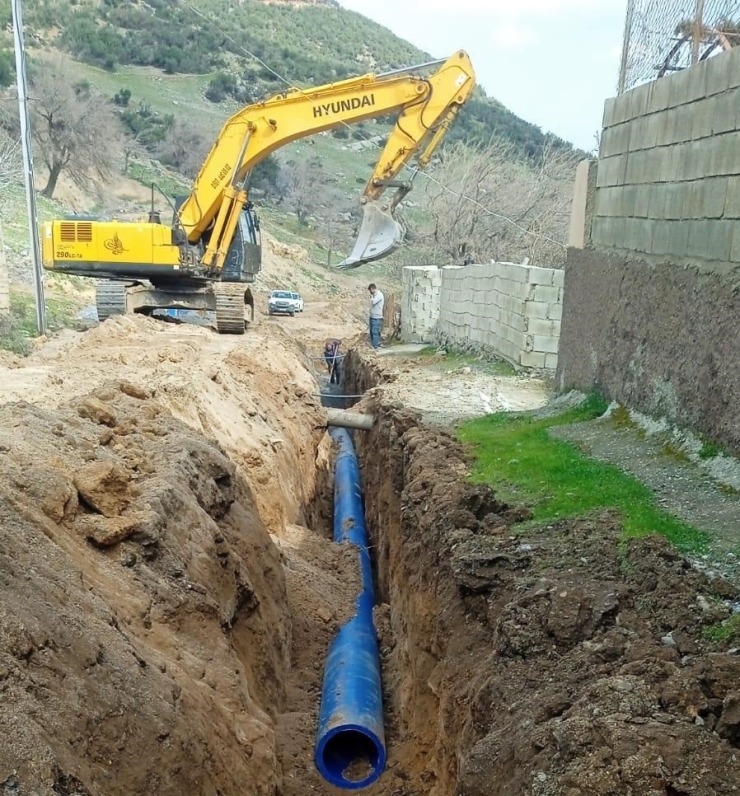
<point>414,171</point>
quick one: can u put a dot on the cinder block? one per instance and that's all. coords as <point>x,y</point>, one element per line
<point>725,158</point>
<point>679,238</point>
<point>725,111</point>
<point>551,362</point>
<point>512,272</point>
<point>735,249</point>
<point>711,240</point>
<point>697,84</point>
<point>715,196</point>
<point>539,276</point>
<point>558,277</point>
<point>532,359</point>
<point>675,199</point>
<point>642,202</point>
<point>732,200</point>
<point>671,158</point>
<point>538,326</point>
<point>720,240</point>
<point>512,304</point>
<point>536,309</point>
<point>555,311</point>
<point>692,155</point>
<point>723,72</point>
<point>638,235</point>
<point>608,117</point>
<point>546,344</point>
<point>639,98</point>
<point>651,128</point>
<point>657,196</point>
<point>660,98</point>
<point>664,123</point>
<point>546,294</point>
<point>610,143</point>
<point>701,118</point>
<point>661,237</point>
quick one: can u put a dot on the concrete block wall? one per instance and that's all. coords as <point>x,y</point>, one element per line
<point>668,179</point>
<point>421,303</point>
<point>512,311</point>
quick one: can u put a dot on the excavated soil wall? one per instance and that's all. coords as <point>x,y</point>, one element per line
<point>556,661</point>
<point>144,635</point>
<point>164,608</point>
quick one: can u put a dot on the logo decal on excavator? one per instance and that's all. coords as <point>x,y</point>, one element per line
<point>114,245</point>
<point>343,105</point>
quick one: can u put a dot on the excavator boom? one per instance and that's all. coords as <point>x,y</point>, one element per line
<point>427,105</point>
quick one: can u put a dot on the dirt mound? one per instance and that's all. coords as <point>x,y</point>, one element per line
<point>558,661</point>
<point>143,621</point>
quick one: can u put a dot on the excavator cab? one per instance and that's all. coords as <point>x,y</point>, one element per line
<point>244,260</point>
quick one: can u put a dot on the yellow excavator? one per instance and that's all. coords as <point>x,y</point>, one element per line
<point>210,254</point>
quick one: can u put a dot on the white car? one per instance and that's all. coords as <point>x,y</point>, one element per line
<point>281,302</point>
<point>298,302</point>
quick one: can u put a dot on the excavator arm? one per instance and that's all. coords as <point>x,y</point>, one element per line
<point>426,106</point>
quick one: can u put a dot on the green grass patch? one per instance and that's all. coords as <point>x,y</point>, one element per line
<point>725,631</point>
<point>18,328</point>
<point>454,360</point>
<point>709,450</point>
<point>517,456</point>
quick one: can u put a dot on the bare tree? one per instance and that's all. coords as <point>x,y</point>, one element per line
<point>487,203</point>
<point>300,184</point>
<point>11,168</point>
<point>184,148</point>
<point>74,129</point>
<point>337,226</point>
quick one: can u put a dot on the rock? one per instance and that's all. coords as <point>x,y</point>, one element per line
<point>104,486</point>
<point>685,644</point>
<point>133,390</point>
<point>94,409</point>
<point>724,589</point>
<point>325,615</point>
<point>107,531</point>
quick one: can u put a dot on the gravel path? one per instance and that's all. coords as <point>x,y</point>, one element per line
<point>681,487</point>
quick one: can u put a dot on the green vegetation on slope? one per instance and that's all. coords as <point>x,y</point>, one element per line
<point>308,44</point>
<point>516,455</point>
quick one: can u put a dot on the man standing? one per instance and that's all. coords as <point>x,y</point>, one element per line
<point>377,301</point>
<point>331,357</point>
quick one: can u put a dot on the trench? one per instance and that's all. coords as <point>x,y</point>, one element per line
<point>506,655</point>
<point>183,652</point>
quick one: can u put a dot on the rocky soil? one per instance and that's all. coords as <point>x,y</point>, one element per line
<point>169,589</point>
<point>559,661</point>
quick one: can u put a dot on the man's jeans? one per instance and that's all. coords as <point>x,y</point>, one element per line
<point>375,327</point>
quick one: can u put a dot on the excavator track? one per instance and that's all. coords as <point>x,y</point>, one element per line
<point>110,299</point>
<point>229,307</point>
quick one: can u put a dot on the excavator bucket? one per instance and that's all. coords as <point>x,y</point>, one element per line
<point>380,234</point>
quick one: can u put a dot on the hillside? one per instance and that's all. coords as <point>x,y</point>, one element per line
<point>167,73</point>
<point>298,40</point>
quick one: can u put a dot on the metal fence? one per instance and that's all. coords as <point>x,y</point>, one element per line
<point>664,36</point>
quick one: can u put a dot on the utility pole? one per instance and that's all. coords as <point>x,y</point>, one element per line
<point>698,32</point>
<point>20,70</point>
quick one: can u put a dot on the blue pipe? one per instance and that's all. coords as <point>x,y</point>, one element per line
<point>350,743</point>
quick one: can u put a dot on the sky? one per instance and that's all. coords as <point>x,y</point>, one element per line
<point>552,62</point>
